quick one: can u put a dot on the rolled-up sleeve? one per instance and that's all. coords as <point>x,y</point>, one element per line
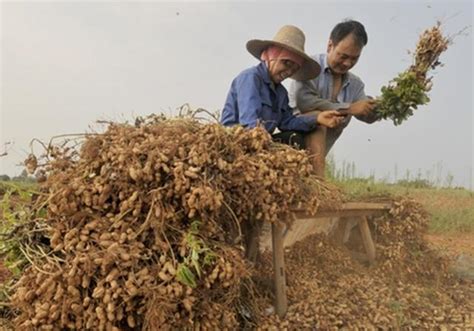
<point>307,98</point>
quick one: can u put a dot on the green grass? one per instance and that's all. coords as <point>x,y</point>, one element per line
<point>17,185</point>
<point>451,209</point>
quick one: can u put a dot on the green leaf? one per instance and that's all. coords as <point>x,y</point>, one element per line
<point>186,276</point>
<point>195,262</point>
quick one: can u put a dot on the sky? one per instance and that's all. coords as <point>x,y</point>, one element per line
<point>65,65</point>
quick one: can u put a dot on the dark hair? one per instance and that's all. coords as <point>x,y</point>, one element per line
<point>343,29</point>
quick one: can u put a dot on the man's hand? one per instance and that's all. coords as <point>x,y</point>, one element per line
<point>362,107</point>
<point>330,118</point>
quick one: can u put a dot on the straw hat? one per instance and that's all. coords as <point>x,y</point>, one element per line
<point>291,38</point>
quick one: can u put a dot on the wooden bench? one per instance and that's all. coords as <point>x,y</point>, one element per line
<point>360,210</point>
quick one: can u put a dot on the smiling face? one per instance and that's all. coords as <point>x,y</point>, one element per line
<point>280,69</point>
<point>343,56</point>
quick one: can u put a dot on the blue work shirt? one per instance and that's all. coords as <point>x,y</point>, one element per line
<point>253,98</point>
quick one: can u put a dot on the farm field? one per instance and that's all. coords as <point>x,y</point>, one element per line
<point>451,209</point>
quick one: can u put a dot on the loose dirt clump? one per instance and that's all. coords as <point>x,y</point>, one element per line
<point>145,225</point>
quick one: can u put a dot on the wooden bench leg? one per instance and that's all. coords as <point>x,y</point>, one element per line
<point>253,243</point>
<point>316,145</point>
<point>367,239</point>
<point>281,300</point>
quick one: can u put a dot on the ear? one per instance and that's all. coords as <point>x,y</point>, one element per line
<point>330,45</point>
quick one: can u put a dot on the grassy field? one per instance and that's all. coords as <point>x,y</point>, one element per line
<point>451,209</point>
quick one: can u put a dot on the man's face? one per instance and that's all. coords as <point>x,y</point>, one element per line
<point>343,56</point>
<point>281,69</point>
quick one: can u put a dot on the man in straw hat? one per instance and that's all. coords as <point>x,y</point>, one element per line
<point>257,97</point>
<point>336,88</point>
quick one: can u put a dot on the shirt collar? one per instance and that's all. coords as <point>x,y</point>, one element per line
<point>263,72</point>
<point>325,68</point>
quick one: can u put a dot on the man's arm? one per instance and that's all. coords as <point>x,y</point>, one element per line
<point>296,123</point>
<point>249,100</point>
<point>366,113</point>
<point>306,123</point>
<point>307,98</point>
<point>361,107</point>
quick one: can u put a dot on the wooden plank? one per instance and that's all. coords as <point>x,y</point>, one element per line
<point>281,300</point>
<point>252,241</point>
<point>348,209</point>
<point>316,146</point>
<point>367,239</point>
<point>339,213</point>
<point>367,205</point>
